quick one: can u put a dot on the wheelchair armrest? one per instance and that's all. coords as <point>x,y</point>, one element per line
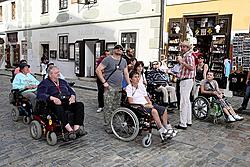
<point>136,105</point>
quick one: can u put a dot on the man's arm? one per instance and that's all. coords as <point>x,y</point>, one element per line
<point>248,77</point>
<point>189,64</point>
<point>126,75</point>
<point>98,71</point>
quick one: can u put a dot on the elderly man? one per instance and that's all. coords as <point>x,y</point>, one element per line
<point>162,80</point>
<point>111,72</point>
<point>62,98</point>
<point>24,80</point>
<point>186,75</point>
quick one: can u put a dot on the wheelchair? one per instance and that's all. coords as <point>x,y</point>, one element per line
<point>22,107</point>
<point>129,120</point>
<point>46,124</point>
<point>156,97</point>
<point>205,107</point>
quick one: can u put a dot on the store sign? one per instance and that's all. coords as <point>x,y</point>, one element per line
<point>1,41</point>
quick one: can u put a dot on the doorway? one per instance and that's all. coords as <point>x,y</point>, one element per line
<point>45,51</point>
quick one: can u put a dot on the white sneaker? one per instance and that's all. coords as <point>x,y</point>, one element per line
<point>238,118</point>
<point>230,118</point>
<point>99,110</point>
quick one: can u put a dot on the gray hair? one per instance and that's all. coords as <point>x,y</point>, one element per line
<point>51,68</point>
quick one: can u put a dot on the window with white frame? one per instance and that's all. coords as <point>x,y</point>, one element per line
<point>63,4</point>
<point>63,47</point>
<point>128,40</point>
<point>45,6</point>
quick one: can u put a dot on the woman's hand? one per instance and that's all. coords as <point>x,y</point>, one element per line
<point>55,100</point>
<point>72,99</point>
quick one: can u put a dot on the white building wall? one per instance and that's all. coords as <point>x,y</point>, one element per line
<point>106,20</point>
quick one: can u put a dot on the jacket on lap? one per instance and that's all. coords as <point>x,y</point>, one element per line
<point>155,76</point>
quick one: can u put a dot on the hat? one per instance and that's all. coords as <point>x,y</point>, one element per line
<point>118,47</point>
<point>185,43</point>
<point>22,65</point>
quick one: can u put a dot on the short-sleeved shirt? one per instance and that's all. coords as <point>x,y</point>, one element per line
<point>210,87</point>
<point>110,64</point>
<point>138,94</point>
<point>184,71</point>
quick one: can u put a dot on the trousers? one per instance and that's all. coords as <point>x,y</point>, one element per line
<point>72,114</point>
<point>185,104</point>
<point>112,101</point>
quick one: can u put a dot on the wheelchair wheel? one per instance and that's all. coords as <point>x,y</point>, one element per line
<point>124,124</point>
<point>51,138</point>
<point>26,120</point>
<point>200,108</point>
<point>35,130</point>
<point>147,140</point>
<point>15,113</point>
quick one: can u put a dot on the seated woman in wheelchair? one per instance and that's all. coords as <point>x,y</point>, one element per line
<point>24,80</point>
<point>137,94</point>
<point>210,88</point>
<point>62,100</point>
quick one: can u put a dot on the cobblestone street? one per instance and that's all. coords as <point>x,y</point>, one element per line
<point>203,144</point>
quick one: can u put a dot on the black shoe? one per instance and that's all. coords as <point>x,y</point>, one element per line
<point>189,124</point>
<point>81,132</point>
<point>241,109</point>
<point>180,127</point>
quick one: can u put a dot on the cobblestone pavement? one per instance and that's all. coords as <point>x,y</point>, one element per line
<point>203,144</point>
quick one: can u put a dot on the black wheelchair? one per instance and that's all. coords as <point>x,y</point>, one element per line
<point>129,120</point>
<point>46,124</point>
<point>156,97</point>
<point>22,107</point>
<point>205,107</point>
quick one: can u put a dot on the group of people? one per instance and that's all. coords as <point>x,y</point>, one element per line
<point>118,71</point>
<point>193,75</point>
<point>56,92</point>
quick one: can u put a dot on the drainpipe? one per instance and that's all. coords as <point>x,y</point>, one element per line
<point>162,22</point>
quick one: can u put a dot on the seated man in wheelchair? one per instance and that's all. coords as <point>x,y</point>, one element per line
<point>156,76</point>
<point>62,100</point>
<point>137,94</point>
<point>209,87</point>
<point>25,80</point>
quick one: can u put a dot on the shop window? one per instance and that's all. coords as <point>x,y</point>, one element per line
<point>63,4</point>
<point>1,14</point>
<point>63,47</point>
<point>13,10</point>
<point>128,40</point>
<point>45,6</point>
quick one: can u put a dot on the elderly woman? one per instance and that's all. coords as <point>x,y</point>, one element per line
<point>210,87</point>
<point>137,94</point>
<point>24,80</point>
<point>62,98</point>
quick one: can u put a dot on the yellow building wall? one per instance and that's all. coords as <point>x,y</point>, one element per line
<point>240,10</point>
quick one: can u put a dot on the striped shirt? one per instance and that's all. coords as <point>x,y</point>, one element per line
<point>184,71</point>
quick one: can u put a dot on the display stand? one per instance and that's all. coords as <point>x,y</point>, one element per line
<point>218,52</point>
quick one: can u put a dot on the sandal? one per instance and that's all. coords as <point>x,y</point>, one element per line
<point>81,132</point>
<point>72,135</point>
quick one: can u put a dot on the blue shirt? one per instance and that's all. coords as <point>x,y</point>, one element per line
<point>21,81</point>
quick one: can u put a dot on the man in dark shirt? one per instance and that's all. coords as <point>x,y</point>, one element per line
<point>61,98</point>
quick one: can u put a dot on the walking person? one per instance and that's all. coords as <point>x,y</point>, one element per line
<point>110,72</point>
<point>186,75</point>
<point>247,94</point>
<point>100,84</point>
